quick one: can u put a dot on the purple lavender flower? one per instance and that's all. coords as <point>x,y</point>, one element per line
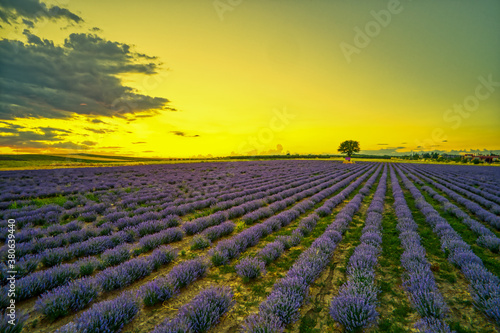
<point>156,291</point>
<point>262,323</point>
<point>432,325</point>
<point>124,274</point>
<point>250,268</point>
<point>205,310</point>
<point>219,231</point>
<point>19,322</point>
<point>70,298</point>
<point>354,307</point>
<point>271,252</point>
<point>108,316</point>
<point>163,237</point>
<point>162,256</point>
<point>285,301</point>
<point>200,242</point>
<point>116,255</point>
<point>186,272</point>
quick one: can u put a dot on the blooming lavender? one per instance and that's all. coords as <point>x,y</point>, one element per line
<point>271,252</point>
<point>64,300</point>
<point>157,291</point>
<point>202,313</point>
<point>165,287</point>
<point>188,271</point>
<point>19,322</point>
<point>486,237</point>
<point>218,231</point>
<point>200,242</point>
<point>355,305</point>
<point>116,255</point>
<point>250,268</point>
<point>419,283</point>
<point>106,316</point>
<point>163,237</point>
<point>457,193</point>
<point>162,256</point>
<point>262,323</point>
<point>288,294</point>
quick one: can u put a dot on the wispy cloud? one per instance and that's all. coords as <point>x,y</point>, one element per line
<point>180,133</point>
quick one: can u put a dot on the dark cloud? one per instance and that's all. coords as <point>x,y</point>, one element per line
<point>11,128</point>
<point>40,79</point>
<point>180,133</point>
<point>382,144</point>
<point>445,141</point>
<point>97,121</point>
<point>13,10</point>
<point>52,129</point>
<point>89,143</point>
<point>30,139</point>
<point>28,23</point>
<point>95,29</point>
<point>138,143</point>
<point>98,131</point>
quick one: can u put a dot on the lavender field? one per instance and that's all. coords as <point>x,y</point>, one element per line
<point>260,246</point>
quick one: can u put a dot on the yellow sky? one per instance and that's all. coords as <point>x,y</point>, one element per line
<point>232,80</point>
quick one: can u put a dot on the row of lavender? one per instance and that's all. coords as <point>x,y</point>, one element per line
<point>26,184</point>
<point>485,286</point>
<point>68,292</point>
<point>159,195</point>
<point>487,238</point>
<point>282,306</point>
<point>205,313</point>
<point>355,305</point>
<point>36,283</point>
<point>473,207</point>
<point>164,288</point>
<point>484,198</point>
<point>55,256</point>
<point>121,222</point>
<point>418,281</point>
<point>252,267</point>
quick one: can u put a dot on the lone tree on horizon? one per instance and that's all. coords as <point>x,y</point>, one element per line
<point>349,147</point>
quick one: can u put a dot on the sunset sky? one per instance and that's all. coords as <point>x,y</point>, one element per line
<point>183,78</point>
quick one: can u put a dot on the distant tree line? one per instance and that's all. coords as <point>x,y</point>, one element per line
<point>440,158</point>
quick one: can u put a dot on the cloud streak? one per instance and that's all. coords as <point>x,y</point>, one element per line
<point>26,10</point>
<point>16,136</point>
<point>183,134</point>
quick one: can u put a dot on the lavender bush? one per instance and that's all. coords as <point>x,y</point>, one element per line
<point>250,268</point>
